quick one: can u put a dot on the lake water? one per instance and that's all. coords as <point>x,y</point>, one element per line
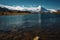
<point>28,20</point>
<point>20,21</point>
<point>50,19</point>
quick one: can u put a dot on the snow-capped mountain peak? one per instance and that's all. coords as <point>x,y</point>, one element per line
<point>31,9</point>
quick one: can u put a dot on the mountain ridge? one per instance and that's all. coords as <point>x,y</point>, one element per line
<point>23,10</point>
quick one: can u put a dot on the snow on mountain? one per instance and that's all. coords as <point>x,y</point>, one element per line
<point>31,9</point>
<point>36,9</point>
<point>52,10</point>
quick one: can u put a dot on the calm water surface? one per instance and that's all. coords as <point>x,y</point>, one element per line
<point>28,20</point>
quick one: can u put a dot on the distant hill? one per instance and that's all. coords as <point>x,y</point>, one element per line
<point>3,9</point>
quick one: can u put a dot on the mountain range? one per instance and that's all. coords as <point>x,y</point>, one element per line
<point>19,9</point>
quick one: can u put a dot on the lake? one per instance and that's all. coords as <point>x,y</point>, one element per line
<point>19,21</point>
<point>29,20</point>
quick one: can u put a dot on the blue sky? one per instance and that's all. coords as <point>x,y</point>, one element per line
<point>53,4</point>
